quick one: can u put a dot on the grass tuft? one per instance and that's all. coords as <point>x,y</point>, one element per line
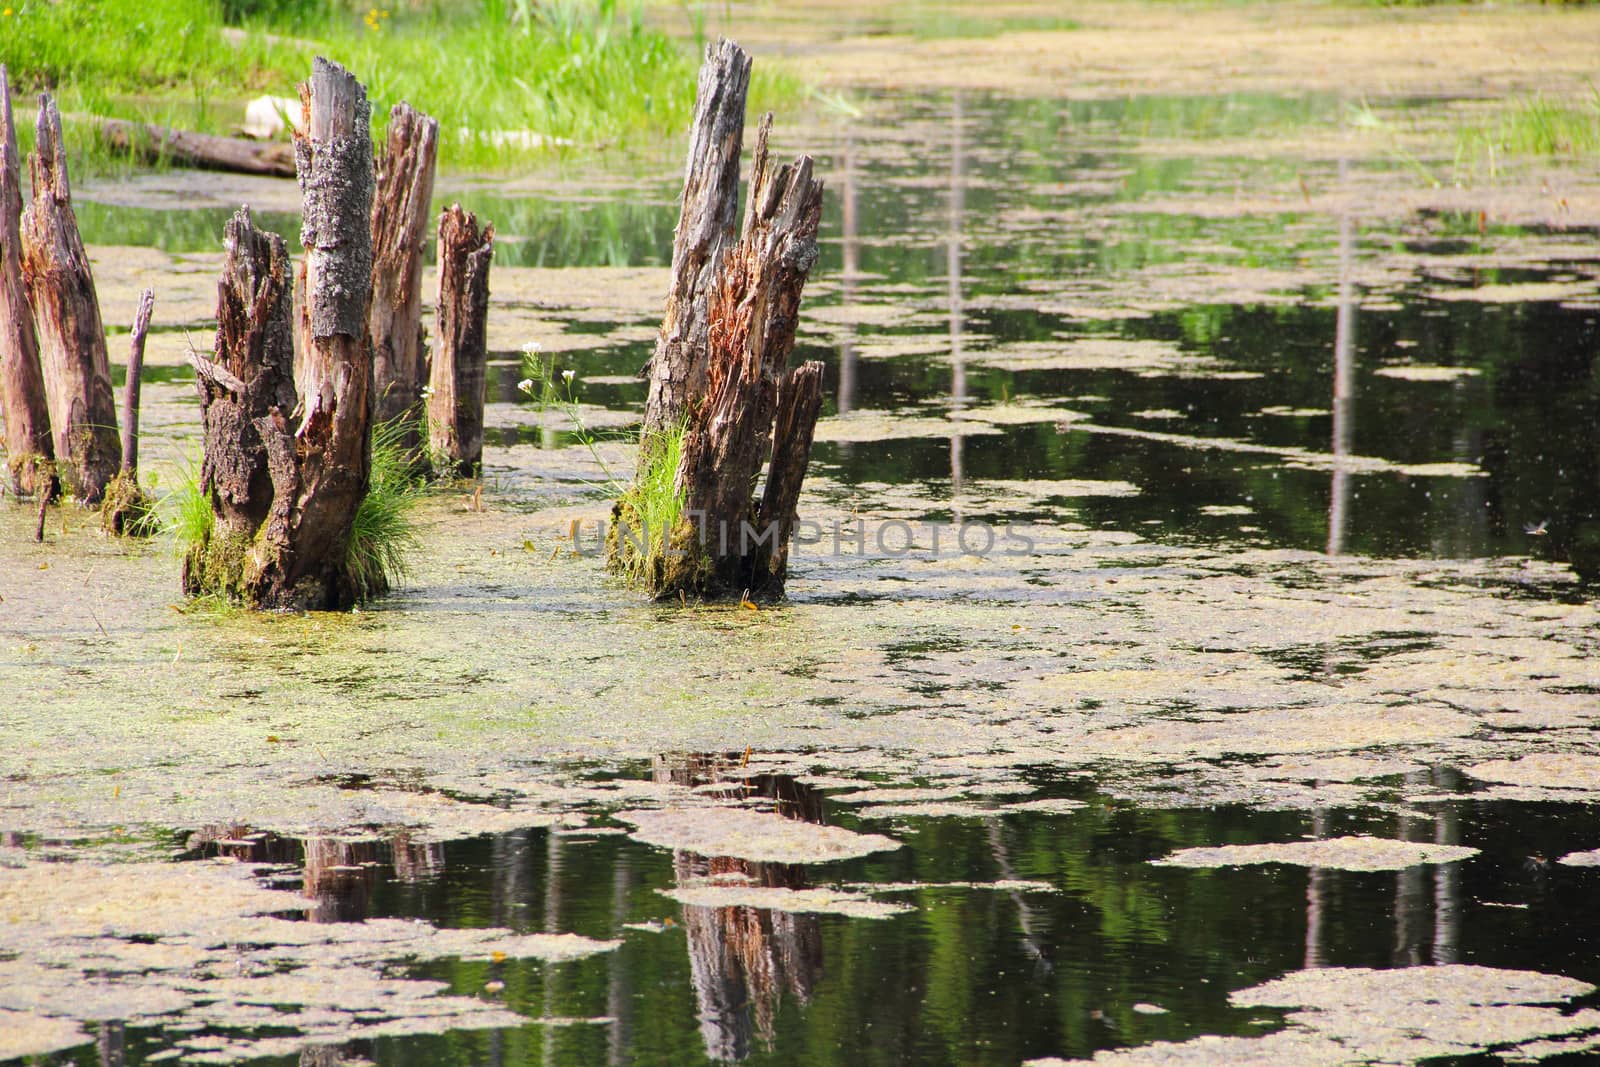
<point>648,526</point>
<point>384,533</point>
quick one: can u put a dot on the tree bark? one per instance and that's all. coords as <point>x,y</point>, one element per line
<point>130,401</point>
<point>677,370</point>
<point>457,379</point>
<point>187,149</point>
<point>72,341</point>
<point>29,452</point>
<point>400,217</point>
<point>753,314</point>
<point>285,499</point>
<point>125,509</point>
<point>248,384</point>
<point>799,403</point>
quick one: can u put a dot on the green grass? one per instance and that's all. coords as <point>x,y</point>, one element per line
<point>590,72</point>
<point>1538,126</point>
<point>649,510</point>
<point>185,514</point>
<point>384,533</point>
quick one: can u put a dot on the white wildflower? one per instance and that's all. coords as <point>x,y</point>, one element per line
<point>526,385</point>
<point>568,375</point>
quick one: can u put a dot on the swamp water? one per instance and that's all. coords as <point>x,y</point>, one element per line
<point>1307,471</point>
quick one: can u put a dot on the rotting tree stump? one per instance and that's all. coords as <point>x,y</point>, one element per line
<point>400,217</point>
<point>458,376</point>
<point>126,510</point>
<point>66,314</point>
<point>706,227</point>
<point>284,498</point>
<point>29,453</point>
<point>753,313</point>
<point>750,407</point>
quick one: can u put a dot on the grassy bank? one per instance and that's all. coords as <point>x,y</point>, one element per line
<point>504,77</point>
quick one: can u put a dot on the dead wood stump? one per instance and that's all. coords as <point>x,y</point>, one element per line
<point>29,452</point>
<point>751,407</point>
<point>706,226</point>
<point>126,510</point>
<point>400,217</point>
<point>284,498</point>
<point>458,376</point>
<point>66,313</point>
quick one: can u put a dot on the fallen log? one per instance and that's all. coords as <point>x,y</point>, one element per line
<point>29,452</point>
<point>66,313</point>
<point>706,226</point>
<point>400,216</point>
<point>457,378</point>
<point>186,148</point>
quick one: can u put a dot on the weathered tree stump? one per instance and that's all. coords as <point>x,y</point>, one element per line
<point>751,406</point>
<point>400,217</point>
<point>458,376</point>
<point>753,314</point>
<point>126,509</point>
<point>706,226</point>
<point>249,385</point>
<point>29,453</point>
<point>285,498</point>
<point>66,312</point>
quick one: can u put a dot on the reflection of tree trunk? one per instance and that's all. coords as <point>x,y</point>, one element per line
<point>742,959</point>
<point>1316,886</point>
<point>112,1044</point>
<point>1446,876</point>
<point>1002,859</point>
<point>850,251</point>
<point>1344,382</point>
<point>1410,893</point>
<point>552,925</point>
<point>416,861</point>
<point>509,887</point>
<point>339,876</point>
<point>619,992</point>
<point>958,368</point>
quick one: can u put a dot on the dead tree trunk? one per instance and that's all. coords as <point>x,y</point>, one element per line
<point>248,386</point>
<point>677,370</point>
<point>29,453</point>
<point>285,509</point>
<point>125,509</point>
<point>400,217</point>
<point>457,378</point>
<point>735,547</point>
<point>753,314</point>
<point>66,312</point>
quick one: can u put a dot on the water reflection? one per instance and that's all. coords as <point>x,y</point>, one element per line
<point>1344,377</point>
<point>743,959</point>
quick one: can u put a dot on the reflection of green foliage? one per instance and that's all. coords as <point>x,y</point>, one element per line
<point>1536,126</point>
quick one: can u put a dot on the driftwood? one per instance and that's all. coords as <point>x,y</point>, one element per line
<point>753,314</point>
<point>457,378</point>
<point>29,453</point>
<point>203,150</point>
<point>125,509</point>
<point>400,217</point>
<point>66,313</point>
<point>706,226</point>
<point>285,498</point>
